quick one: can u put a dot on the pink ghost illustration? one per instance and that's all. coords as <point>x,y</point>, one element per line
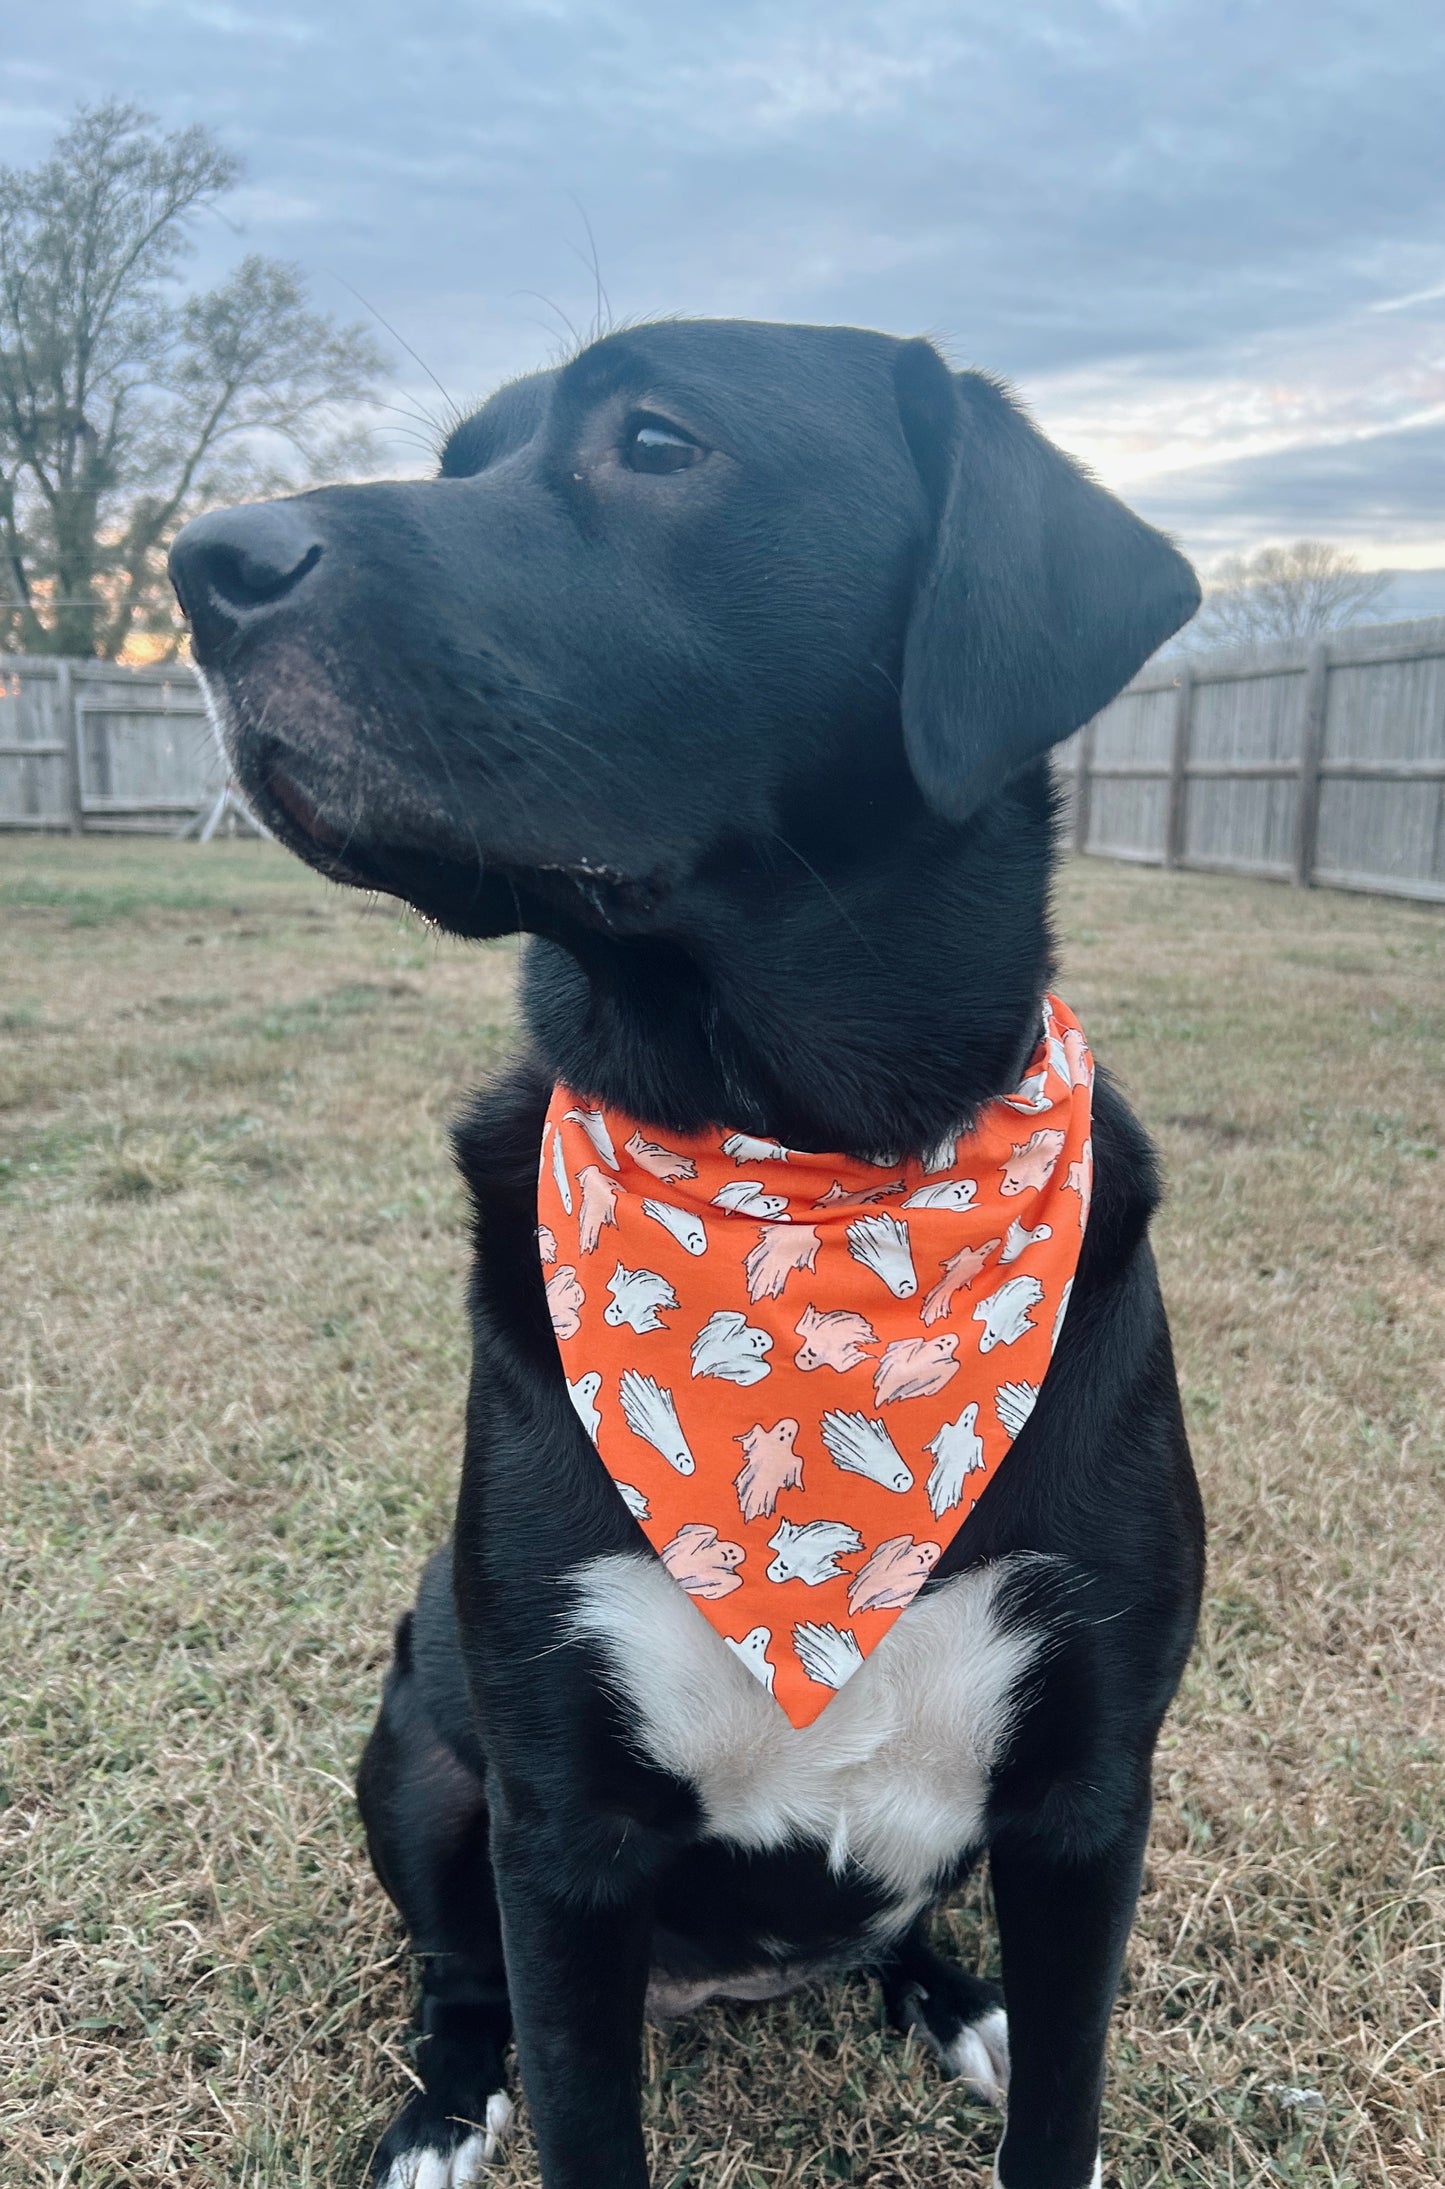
<point>1076,1049</point>
<point>1032,1163</point>
<point>1080,1180</point>
<point>662,1162</point>
<point>838,1197</point>
<point>564,1301</point>
<point>914,1368</point>
<point>546,1243</point>
<point>893,1575</point>
<point>835,1340</point>
<point>772,1466</point>
<point>781,1249</point>
<point>959,1272</point>
<point>599,1205</point>
<point>702,1565</point>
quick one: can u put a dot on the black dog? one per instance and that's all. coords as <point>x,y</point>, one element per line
<point>724,660</point>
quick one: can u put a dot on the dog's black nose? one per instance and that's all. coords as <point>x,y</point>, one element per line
<point>231,567</point>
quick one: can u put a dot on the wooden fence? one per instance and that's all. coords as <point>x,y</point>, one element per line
<point>91,745</point>
<point>1321,764</point>
<point>1312,764</point>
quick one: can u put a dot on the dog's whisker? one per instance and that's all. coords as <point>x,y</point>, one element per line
<point>452,410</point>
<point>578,344</point>
<point>833,898</point>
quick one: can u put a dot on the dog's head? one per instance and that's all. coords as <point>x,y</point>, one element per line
<point>708,584</point>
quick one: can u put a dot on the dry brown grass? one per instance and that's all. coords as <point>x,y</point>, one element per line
<point>233,1363</point>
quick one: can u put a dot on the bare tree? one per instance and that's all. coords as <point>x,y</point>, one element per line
<point>125,405</point>
<point>1285,593</point>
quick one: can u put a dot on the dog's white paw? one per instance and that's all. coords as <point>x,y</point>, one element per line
<point>977,2052</point>
<point>463,2166</point>
<point>978,2056</point>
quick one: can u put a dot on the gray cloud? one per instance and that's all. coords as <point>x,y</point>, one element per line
<point>1147,186</point>
<point>1391,486</point>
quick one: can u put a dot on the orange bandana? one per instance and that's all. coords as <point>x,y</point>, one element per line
<point>802,1371</point>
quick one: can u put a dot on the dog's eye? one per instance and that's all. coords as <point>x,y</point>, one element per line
<point>649,445</point>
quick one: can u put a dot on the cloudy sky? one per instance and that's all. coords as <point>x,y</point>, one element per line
<point>1205,238</point>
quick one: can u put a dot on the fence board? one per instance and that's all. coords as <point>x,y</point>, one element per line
<point>34,751</point>
<point>93,745</point>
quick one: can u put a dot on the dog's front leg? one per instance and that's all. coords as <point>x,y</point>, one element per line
<point>1063,1921</point>
<point>577,1973</point>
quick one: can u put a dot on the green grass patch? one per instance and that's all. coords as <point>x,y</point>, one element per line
<point>232,1380</point>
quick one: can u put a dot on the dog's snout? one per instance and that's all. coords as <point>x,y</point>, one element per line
<point>234,565</point>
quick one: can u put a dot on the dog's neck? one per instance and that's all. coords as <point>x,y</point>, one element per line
<point>869,1011</point>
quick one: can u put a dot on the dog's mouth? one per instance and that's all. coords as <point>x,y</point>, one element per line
<point>296,816</point>
<point>294,802</point>
<point>369,828</point>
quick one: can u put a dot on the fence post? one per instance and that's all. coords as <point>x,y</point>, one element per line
<point>67,723</point>
<point>1178,761</point>
<point>1312,741</point>
<point>1083,785</point>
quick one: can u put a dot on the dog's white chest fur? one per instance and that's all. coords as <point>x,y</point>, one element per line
<point>894,1775</point>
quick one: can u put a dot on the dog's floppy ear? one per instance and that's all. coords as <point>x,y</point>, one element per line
<point>1041,596</point>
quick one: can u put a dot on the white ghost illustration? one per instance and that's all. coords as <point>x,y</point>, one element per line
<point>949,1193</point>
<point>595,1126</point>
<point>729,1347</point>
<point>1058,1055</point>
<point>957,1452</point>
<point>749,1197</point>
<point>1013,1403</point>
<point>686,1228</point>
<point>828,1654</point>
<point>638,1295</point>
<point>1005,1313</point>
<point>1031,1094</point>
<point>863,1447</point>
<point>752,1651</point>
<point>881,1244</point>
<point>810,1553</point>
<point>1018,1239</point>
<point>651,1415</point>
<point>743,1148</point>
<point>559,1172</point>
<point>583,1394</point>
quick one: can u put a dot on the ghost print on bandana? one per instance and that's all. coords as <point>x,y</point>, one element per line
<point>802,1371</point>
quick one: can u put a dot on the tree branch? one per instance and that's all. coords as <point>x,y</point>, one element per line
<point>121,412</point>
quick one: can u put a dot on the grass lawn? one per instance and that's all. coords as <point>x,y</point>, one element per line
<point>232,1363</point>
